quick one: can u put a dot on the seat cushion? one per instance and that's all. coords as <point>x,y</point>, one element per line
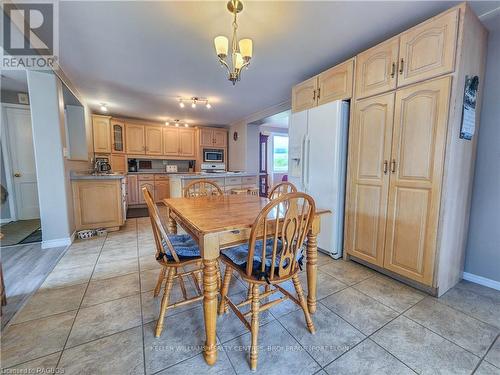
<point>239,256</point>
<point>184,245</point>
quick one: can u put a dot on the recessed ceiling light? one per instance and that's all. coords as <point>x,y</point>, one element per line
<point>104,108</point>
<point>208,105</point>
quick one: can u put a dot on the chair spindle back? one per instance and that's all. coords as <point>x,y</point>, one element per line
<point>282,188</point>
<point>201,188</point>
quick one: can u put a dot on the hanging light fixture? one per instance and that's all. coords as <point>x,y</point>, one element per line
<point>241,52</point>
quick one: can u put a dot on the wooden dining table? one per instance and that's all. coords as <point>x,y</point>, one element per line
<point>218,222</point>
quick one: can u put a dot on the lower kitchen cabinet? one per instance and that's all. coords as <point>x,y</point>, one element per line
<point>132,190</point>
<point>157,184</point>
<point>99,203</point>
<point>162,190</point>
<point>150,185</point>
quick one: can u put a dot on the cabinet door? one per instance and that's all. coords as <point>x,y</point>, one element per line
<point>151,188</point>
<point>369,154</point>
<point>304,95</point>
<point>102,136</point>
<point>335,83</point>
<point>376,69</point>
<point>170,141</point>
<point>153,140</point>
<point>220,138</point>
<point>117,137</point>
<point>186,142</point>
<point>206,137</point>
<point>132,190</point>
<point>428,50</point>
<point>162,190</point>
<point>419,136</point>
<point>118,163</point>
<point>134,135</point>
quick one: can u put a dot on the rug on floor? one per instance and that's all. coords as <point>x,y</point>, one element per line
<point>133,213</point>
<point>16,231</point>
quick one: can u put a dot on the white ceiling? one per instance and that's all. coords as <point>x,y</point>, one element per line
<point>139,56</point>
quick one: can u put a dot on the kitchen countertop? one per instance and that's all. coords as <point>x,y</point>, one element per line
<point>214,175</point>
<point>100,176</point>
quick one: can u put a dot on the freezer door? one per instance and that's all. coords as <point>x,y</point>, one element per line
<point>296,140</point>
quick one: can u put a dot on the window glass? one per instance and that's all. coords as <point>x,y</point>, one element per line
<point>280,153</point>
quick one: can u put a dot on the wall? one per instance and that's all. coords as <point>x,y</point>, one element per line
<point>4,207</point>
<point>483,246</point>
<point>10,97</point>
<point>238,149</point>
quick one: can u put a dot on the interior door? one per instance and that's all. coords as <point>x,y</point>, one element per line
<point>134,135</point>
<point>23,163</point>
<point>336,83</point>
<point>376,69</point>
<point>428,50</point>
<point>419,136</point>
<point>368,179</point>
<point>187,142</point>
<point>153,140</point>
<point>304,95</point>
<point>171,141</point>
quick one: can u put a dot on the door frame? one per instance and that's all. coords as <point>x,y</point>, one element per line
<point>6,154</point>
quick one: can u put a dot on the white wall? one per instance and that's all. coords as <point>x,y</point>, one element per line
<point>483,247</point>
<point>238,149</point>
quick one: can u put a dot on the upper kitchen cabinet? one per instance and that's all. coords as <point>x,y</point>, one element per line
<point>135,141</point>
<point>153,135</point>
<point>117,137</point>
<point>101,132</point>
<point>335,83</point>
<point>304,95</point>
<point>179,142</point>
<point>211,137</point>
<point>428,50</point>
<point>187,138</point>
<point>170,141</point>
<point>376,69</point>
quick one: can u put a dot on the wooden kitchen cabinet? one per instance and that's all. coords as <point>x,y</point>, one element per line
<point>220,138</point>
<point>428,50</point>
<point>179,142</point>
<point>132,189</point>
<point>118,163</point>
<point>206,137</point>
<point>211,137</point>
<point>170,141</point>
<point>153,136</point>
<point>187,139</point>
<point>336,83</point>
<point>376,69</point>
<point>150,185</point>
<point>101,134</point>
<point>117,137</point>
<point>162,190</point>
<point>135,140</point>
<point>304,95</point>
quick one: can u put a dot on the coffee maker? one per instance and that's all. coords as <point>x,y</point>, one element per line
<point>102,165</point>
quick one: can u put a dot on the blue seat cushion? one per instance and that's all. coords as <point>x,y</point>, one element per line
<point>239,256</point>
<point>184,245</point>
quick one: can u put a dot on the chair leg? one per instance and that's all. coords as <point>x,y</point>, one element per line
<point>224,290</point>
<point>161,277</point>
<point>164,302</point>
<point>254,349</point>
<point>303,303</point>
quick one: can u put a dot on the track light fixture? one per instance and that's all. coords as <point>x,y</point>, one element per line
<point>194,101</point>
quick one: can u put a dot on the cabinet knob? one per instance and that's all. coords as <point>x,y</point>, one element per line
<point>17,174</point>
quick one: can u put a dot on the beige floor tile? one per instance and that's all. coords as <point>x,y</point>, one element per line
<point>113,268</point>
<point>105,319</point>
<point>493,355</point>
<point>390,292</point>
<point>361,311</point>
<point>368,359</point>
<point>422,350</point>
<point>48,302</point>
<point>37,366</point>
<point>100,291</point>
<point>323,259</point>
<point>149,279</point>
<point>26,341</point>
<point>333,335</point>
<point>60,278</point>
<point>79,259</point>
<point>148,262</point>
<point>197,365</point>
<point>278,353</point>
<point>120,353</point>
<point>486,368</point>
<point>346,271</point>
<point>467,332</point>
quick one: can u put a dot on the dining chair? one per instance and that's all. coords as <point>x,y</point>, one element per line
<point>282,188</point>
<point>201,188</point>
<point>271,257</point>
<point>173,252</point>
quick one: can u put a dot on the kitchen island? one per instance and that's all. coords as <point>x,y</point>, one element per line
<point>227,181</point>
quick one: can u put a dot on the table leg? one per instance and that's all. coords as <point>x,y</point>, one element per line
<point>210,252</point>
<point>171,224</point>
<point>311,267</point>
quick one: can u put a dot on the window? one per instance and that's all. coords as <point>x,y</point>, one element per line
<point>280,153</point>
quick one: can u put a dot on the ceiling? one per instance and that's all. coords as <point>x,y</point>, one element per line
<point>138,57</point>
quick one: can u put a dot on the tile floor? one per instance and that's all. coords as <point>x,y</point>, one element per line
<point>95,314</point>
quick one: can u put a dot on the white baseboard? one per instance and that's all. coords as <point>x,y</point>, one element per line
<point>481,280</point>
<point>58,242</point>
<point>6,220</point>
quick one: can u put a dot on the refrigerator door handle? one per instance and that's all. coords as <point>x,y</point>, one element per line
<point>306,162</point>
<point>303,161</point>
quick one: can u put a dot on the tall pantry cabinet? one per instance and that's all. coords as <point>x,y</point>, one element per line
<point>409,173</point>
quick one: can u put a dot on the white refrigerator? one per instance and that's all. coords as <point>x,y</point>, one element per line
<point>317,152</point>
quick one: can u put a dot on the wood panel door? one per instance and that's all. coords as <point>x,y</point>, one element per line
<point>151,188</point>
<point>162,190</point>
<point>187,142</point>
<point>134,134</point>
<point>117,137</point>
<point>418,146</point>
<point>336,83</point>
<point>428,50</point>
<point>370,151</point>
<point>206,137</point>
<point>102,135</point>
<point>132,190</point>
<point>376,69</point>
<point>118,163</point>
<point>153,136</point>
<point>220,138</point>
<point>170,141</point>
<point>304,95</point>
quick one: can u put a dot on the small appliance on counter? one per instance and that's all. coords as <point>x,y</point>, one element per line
<point>171,169</point>
<point>132,165</point>
<point>102,165</point>
<point>213,155</point>
<point>213,167</point>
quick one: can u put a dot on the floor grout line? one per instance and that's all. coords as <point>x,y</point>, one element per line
<point>482,359</point>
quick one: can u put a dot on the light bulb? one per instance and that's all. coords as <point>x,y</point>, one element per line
<point>104,108</point>
<point>186,125</point>
<point>167,123</point>
<point>208,105</point>
<point>193,105</point>
<point>177,124</point>
<point>181,104</point>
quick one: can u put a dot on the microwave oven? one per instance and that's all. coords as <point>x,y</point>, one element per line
<point>213,155</point>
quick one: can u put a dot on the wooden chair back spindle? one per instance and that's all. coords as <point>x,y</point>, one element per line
<point>282,188</point>
<point>201,188</point>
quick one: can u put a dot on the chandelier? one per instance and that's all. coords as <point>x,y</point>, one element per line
<point>240,57</point>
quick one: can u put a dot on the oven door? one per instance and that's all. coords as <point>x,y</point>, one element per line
<point>213,156</point>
